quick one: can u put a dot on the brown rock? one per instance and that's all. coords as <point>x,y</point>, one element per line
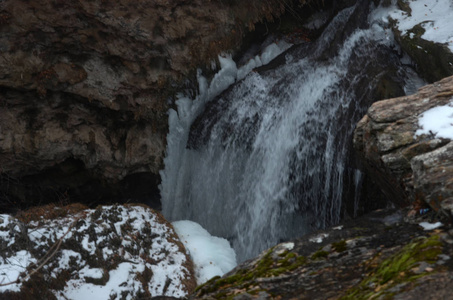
<point>410,167</point>
<point>90,81</point>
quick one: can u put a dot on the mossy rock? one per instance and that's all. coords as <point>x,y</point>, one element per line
<point>320,255</point>
<point>340,246</point>
<point>434,61</point>
<point>274,263</point>
<point>395,272</point>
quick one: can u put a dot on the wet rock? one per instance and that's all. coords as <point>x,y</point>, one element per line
<point>361,259</point>
<point>436,286</point>
<point>410,168</point>
<point>111,252</point>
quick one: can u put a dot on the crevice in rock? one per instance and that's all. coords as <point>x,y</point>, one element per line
<point>71,182</point>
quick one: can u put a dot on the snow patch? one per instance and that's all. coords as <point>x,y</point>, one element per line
<point>319,238</point>
<point>212,256</point>
<point>437,121</point>
<point>435,16</point>
<point>121,279</point>
<point>288,246</point>
<point>11,269</point>
<point>430,226</point>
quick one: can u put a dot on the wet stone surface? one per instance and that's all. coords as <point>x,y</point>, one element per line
<point>383,255</point>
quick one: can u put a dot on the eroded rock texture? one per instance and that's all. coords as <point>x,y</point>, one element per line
<point>410,168</point>
<point>85,87</point>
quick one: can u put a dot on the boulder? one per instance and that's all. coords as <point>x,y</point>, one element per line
<point>410,168</point>
<point>111,252</point>
<point>85,87</point>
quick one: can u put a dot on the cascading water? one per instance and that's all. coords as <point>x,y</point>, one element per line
<point>267,160</point>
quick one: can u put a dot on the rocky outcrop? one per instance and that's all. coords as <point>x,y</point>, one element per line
<point>111,252</point>
<point>433,60</point>
<point>380,256</point>
<point>410,168</point>
<point>87,84</point>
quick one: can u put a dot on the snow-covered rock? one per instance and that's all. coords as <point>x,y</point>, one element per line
<point>111,252</point>
<point>423,29</point>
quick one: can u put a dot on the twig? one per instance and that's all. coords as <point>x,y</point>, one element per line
<point>51,253</point>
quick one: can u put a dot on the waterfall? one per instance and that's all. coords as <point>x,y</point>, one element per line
<point>266,160</point>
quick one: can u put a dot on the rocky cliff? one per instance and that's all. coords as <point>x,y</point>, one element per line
<point>85,87</point>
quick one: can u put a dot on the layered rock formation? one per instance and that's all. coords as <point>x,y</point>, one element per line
<point>85,87</point>
<point>410,168</point>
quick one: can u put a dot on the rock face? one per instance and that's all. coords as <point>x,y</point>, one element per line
<point>112,252</point>
<point>85,87</point>
<point>380,256</point>
<point>410,168</point>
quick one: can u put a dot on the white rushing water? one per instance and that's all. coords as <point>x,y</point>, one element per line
<point>268,161</point>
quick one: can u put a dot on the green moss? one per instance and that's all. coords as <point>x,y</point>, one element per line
<point>221,295</point>
<point>319,255</point>
<point>206,283</point>
<point>263,265</point>
<point>267,266</point>
<point>433,59</point>
<point>287,254</point>
<point>340,246</point>
<point>397,269</point>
